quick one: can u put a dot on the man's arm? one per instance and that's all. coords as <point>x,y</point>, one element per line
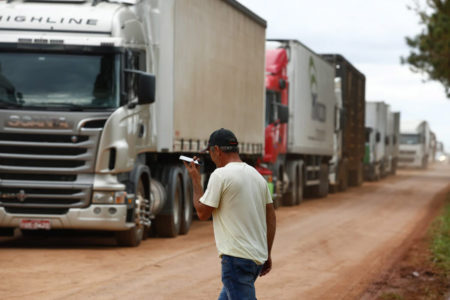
<point>204,212</point>
<point>271,222</point>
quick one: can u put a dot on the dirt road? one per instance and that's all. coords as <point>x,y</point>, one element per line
<point>324,249</point>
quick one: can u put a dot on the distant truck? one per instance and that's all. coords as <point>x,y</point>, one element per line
<point>347,168</point>
<point>300,104</point>
<point>433,147</point>
<point>393,135</point>
<point>377,140</point>
<point>415,144</point>
<point>90,140</point>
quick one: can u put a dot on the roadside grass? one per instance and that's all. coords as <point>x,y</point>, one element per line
<point>391,296</point>
<point>440,244</point>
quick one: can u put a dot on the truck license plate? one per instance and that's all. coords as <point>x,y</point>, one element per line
<point>35,224</point>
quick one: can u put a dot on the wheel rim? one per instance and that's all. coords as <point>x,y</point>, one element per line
<point>140,209</point>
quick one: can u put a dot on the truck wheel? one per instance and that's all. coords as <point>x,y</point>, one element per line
<point>394,166</point>
<point>133,236</point>
<point>279,191</point>
<point>356,175</point>
<point>324,183</point>
<point>167,223</point>
<point>343,175</point>
<point>187,208</point>
<point>360,174</point>
<point>294,196</point>
<point>424,163</point>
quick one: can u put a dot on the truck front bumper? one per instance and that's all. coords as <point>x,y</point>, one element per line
<point>94,217</point>
<point>409,161</point>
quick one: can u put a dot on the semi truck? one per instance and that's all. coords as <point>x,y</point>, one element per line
<point>98,99</point>
<point>377,140</point>
<point>433,147</point>
<point>300,103</point>
<point>348,168</point>
<point>415,142</point>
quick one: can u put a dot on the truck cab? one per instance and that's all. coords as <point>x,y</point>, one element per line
<point>72,81</point>
<point>414,144</point>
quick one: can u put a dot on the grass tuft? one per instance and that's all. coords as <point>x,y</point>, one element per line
<point>391,296</point>
<point>440,245</point>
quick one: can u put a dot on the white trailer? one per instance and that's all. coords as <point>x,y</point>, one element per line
<point>89,140</point>
<point>311,103</point>
<point>415,144</point>
<point>377,140</point>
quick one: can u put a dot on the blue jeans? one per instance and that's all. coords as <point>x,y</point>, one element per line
<point>238,278</point>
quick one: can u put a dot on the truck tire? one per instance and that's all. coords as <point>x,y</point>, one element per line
<point>424,163</point>
<point>394,166</point>
<point>133,236</point>
<point>188,197</point>
<point>343,175</point>
<point>294,195</point>
<point>7,231</point>
<point>323,187</point>
<point>167,223</point>
<point>356,175</point>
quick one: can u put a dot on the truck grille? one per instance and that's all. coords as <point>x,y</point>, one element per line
<point>406,159</point>
<point>408,152</point>
<point>46,173</point>
<point>47,153</point>
<point>44,197</point>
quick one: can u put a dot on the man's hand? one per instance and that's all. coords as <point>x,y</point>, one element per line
<point>266,267</point>
<point>204,212</point>
<point>193,170</point>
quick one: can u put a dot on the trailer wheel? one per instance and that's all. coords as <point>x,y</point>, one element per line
<point>323,187</point>
<point>394,166</point>
<point>167,223</point>
<point>187,208</point>
<point>133,236</point>
<point>424,163</point>
<point>294,195</point>
<point>343,175</point>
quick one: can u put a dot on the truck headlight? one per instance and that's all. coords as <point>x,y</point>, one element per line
<point>109,197</point>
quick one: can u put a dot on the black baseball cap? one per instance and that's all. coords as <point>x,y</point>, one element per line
<point>222,137</point>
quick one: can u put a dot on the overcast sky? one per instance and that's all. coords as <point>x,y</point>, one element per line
<point>371,35</point>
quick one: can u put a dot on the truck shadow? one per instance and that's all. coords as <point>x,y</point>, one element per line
<point>59,239</point>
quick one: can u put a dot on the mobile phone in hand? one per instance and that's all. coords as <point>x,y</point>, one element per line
<point>189,159</point>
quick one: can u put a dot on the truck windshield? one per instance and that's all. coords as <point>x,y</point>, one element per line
<point>49,80</point>
<point>409,139</point>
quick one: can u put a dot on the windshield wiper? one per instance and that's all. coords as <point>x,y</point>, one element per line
<point>69,106</point>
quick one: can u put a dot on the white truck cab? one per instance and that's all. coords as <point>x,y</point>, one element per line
<point>414,144</point>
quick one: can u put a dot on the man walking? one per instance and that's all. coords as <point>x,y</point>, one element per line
<point>238,199</point>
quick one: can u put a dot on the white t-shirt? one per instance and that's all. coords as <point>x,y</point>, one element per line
<point>239,194</point>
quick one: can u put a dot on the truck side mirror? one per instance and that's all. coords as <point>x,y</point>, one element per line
<point>146,88</point>
<point>283,113</point>
<point>282,84</point>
